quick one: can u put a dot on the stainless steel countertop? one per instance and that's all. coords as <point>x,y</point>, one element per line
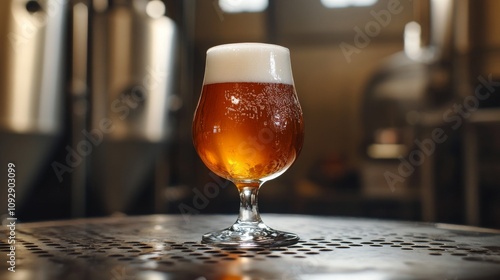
<point>168,247</point>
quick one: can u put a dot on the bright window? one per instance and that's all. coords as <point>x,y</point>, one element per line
<point>240,6</point>
<point>347,3</point>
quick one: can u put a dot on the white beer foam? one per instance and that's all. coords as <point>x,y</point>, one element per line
<point>248,62</point>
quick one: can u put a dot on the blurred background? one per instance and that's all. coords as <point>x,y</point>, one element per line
<point>401,102</point>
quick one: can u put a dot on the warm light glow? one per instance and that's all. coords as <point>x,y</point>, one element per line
<point>412,40</point>
<point>157,77</point>
<point>155,9</point>
<point>158,227</point>
<point>386,150</point>
<point>347,3</point>
<point>239,6</point>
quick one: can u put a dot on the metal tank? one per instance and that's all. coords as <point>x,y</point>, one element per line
<point>32,53</point>
<point>132,63</point>
<point>84,95</point>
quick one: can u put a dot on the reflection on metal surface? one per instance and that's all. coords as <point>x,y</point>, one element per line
<point>465,228</point>
<point>331,248</point>
<point>441,39</point>
<point>79,55</point>
<point>358,275</point>
<point>30,74</point>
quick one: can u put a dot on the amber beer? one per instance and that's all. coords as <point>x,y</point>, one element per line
<point>248,130</point>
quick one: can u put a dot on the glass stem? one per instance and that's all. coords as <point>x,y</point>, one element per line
<point>249,210</point>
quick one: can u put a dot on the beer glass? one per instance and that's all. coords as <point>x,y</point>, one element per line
<point>248,128</point>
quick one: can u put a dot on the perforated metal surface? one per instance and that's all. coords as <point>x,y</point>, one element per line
<point>168,247</point>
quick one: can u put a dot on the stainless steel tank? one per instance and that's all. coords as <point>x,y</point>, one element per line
<point>31,85</point>
<point>132,59</point>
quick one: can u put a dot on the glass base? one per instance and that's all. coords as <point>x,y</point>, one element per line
<point>246,235</point>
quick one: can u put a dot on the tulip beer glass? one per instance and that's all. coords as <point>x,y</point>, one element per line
<point>248,128</point>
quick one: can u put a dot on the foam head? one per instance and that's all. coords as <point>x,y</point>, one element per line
<point>248,62</point>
